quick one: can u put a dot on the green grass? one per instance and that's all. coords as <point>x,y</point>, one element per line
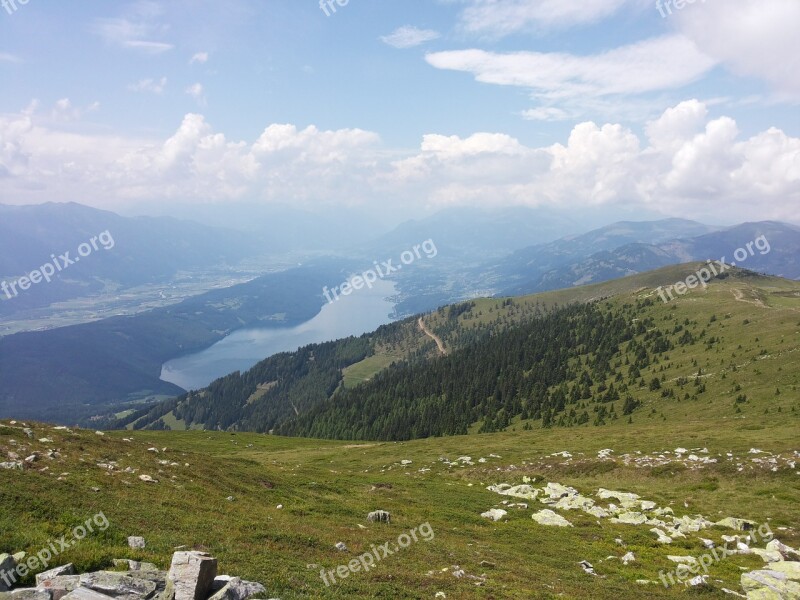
<point>367,368</point>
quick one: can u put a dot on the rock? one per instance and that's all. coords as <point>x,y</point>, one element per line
<point>769,585</point>
<point>82,593</point>
<point>630,518</point>
<point>495,514</point>
<point>768,556</point>
<point>191,575</point>
<point>625,498</point>
<point>628,558</point>
<point>237,589</point>
<point>60,586</point>
<point>683,560</point>
<point>487,565</point>
<point>548,517</point>
<point>379,516</point>
<point>147,479</point>
<point>576,502</point>
<point>787,552</point>
<point>341,547</point>
<point>587,567</point>
<point>19,557</point>
<point>136,542</point>
<point>118,585</point>
<point>557,491</point>
<point>737,524</point>
<point>597,511</point>
<point>697,581</point>
<point>523,491</point>
<point>26,594</point>
<point>14,465</point>
<point>790,569</point>
<point>663,538</point>
<point>440,595</point>
<point>68,569</point>
<point>7,564</point>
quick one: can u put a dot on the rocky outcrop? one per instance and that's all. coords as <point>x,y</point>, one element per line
<point>192,576</point>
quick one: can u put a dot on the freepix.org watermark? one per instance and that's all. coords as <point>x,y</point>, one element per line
<point>329,6</point>
<point>11,5</point>
<point>42,559</point>
<point>704,275</point>
<point>685,571</point>
<point>665,6</point>
<point>370,276</point>
<point>58,264</point>
<point>369,560</point>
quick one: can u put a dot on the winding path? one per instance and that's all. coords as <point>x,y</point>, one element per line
<point>433,336</point>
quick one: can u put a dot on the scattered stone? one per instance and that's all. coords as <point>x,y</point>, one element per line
<point>548,517</point>
<point>379,516</point>
<point>148,479</point>
<point>12,465</point>
<point>7,564</point>
<point>68,569</point>
<point>341,547</point>
<point>25,594</point>
<point>238,589</point>
<point>776,545</point>
<point>697,581</point>
<point>59,587</point>
<point>137,543</point>
<point>628,558</point>
<point>191,575</point>
<point>495,514</point>
<point>82,593</point>
<point>630,518</point>
<point>487,565</point>
<point>118,585</point>
<point>737,524</point>
<point>769,584</point>
<point>134,565</point>
<point>683,560</point>
<point>587,567</point>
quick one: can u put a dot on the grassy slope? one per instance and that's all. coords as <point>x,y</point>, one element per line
<point>328,487</point>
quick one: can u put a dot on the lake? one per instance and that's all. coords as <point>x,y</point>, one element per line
<point>360,312</point>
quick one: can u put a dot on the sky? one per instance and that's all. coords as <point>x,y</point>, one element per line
<point>668,107</point>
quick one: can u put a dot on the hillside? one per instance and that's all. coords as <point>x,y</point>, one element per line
<point>526,363</point>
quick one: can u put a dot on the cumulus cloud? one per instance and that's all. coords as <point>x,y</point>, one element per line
<point>752,38</point>
<point>409,37</point>
<point>200,57</point>
<point>685,163</point>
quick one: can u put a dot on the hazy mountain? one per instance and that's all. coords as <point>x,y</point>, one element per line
<point>129,251</point>
<point>777,253</point>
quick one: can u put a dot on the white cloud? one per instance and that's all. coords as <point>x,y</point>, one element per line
<point>498,19</point>
<point>753,38</point>
<point>137,31</point>
<point>409,37</point>
<point>545,113</point>
<point>197,92</point>
<point>6,57</point>
<point>153,86</point>
<point>200,57</point>
<point>684,164</point>
<point>634,69</point>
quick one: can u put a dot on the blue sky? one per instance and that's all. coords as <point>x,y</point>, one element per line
<point>422,103</point>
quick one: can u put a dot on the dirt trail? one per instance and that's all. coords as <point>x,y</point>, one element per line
<point>739,295</point>
<point>433,336</point>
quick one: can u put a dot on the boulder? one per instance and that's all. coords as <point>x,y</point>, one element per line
<point>137,543</point>
<point>7,565</point>
<point>737,524</point>
<point>548,517</point>
<point>86,594</point>
<point>787,552</point>
<point>495,514</point>
<point>60,586</point>
<point>379,516</point>
<point>191,576</point>
<point>118,585</point>
<point>25,594</point>
<point>238,589</point>
<point>68,569</point>
<point>630,518</point>
<point>790,569</point>
<point>769,585</point>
